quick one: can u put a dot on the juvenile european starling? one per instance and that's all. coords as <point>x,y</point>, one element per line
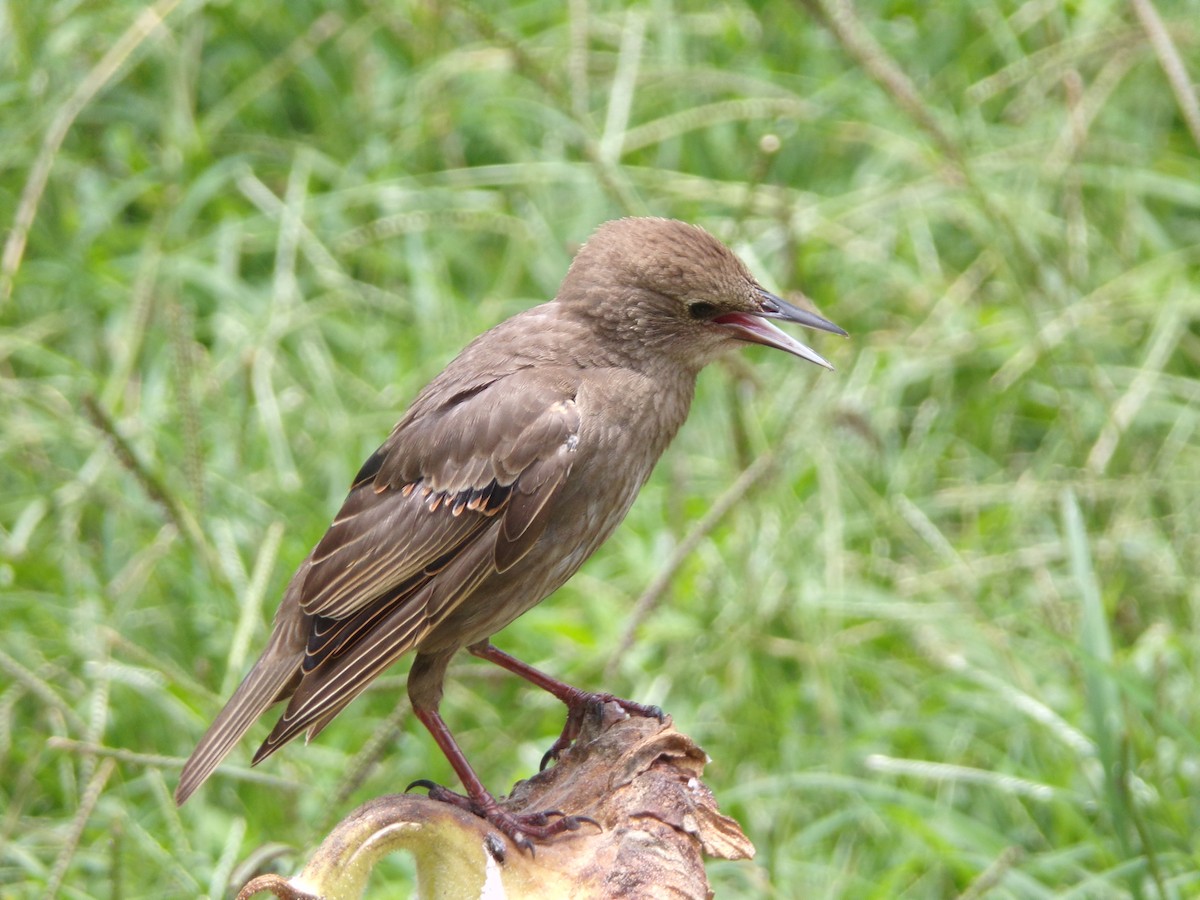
<point>507,472</point>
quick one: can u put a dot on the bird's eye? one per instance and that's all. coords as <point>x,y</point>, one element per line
<point>702,309</point>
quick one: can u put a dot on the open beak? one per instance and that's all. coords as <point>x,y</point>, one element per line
<point>754,327</point>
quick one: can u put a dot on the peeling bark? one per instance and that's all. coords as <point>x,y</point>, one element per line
<point>638,778</point>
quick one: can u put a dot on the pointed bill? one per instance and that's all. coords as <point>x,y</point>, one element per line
<point>754,327</point>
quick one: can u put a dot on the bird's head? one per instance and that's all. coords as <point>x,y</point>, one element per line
<point>675,290</point>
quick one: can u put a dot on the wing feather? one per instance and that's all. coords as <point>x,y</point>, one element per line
<point>325,691</point>
<point>450,499</point>
<point>271,679</point>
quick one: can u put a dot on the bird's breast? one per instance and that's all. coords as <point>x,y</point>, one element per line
<point>626,422</point>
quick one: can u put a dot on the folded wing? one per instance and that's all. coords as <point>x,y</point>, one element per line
<point>459,491</point>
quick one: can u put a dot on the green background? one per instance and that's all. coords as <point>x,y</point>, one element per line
<point>940,641</point>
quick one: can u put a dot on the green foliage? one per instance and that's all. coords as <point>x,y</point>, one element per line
<point>945,646</point>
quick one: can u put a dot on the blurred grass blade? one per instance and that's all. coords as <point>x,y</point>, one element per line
<point>1095,641</point>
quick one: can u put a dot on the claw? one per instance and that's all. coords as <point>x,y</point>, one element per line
<point>584,703</point>
<point>445,795</point>
<point>579,820</point>
<point>574,822</point>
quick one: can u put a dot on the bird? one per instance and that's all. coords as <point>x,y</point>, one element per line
<point>508,470</point>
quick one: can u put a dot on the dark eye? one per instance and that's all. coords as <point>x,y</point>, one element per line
<point>702,309</point>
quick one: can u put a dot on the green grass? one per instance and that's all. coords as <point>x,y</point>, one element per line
<point>945,646</point>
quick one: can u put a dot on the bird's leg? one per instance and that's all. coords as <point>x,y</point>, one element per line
<point>578,702</point>
<point>520,828</point>
<point>425,680</point>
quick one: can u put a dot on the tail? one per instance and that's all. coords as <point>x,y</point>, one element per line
<point>272,679</point>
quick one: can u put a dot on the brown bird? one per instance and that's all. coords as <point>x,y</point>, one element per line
<point>508,471</point>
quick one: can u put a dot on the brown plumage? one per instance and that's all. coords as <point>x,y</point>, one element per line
<point>510,468</point>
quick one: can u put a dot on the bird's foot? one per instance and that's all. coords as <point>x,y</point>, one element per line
<point>583,703</point>
<point>521,828</point>
<point>578,702</point>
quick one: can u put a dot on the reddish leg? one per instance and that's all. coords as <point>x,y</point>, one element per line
<point>578,702</point>
<point>519,827</point>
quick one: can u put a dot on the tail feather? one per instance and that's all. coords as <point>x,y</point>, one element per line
<point>272,679</point>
